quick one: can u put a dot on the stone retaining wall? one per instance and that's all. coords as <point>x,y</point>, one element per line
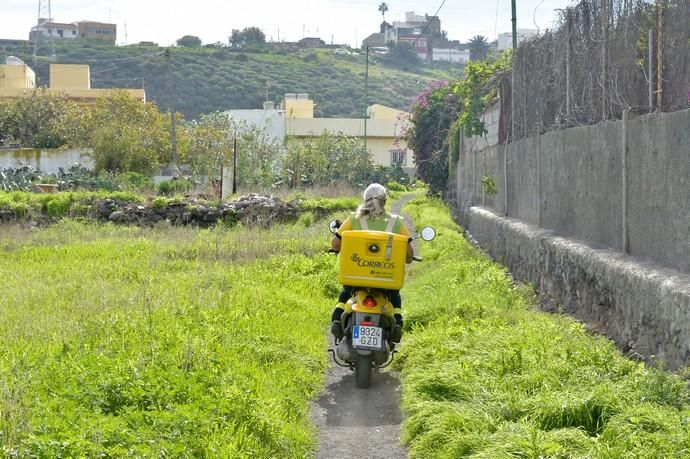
<point>641,306</point>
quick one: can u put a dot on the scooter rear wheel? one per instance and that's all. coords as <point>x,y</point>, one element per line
<point>363,370</point>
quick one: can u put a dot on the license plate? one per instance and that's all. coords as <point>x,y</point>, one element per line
<point>365,337</point>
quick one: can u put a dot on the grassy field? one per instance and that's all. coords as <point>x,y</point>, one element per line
<point>186,342</point>
<point>486,375</point>
<point>166,342</point>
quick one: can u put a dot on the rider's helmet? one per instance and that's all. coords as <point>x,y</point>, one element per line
<point>375,191</point>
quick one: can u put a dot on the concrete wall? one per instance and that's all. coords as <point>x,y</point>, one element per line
<point>619,184</point>
<point>598,218</point>
<point>48,161</point>
<point>272,120</point>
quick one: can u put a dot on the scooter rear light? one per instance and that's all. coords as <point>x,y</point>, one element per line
<point>366,322</point>
<point>369,302</point>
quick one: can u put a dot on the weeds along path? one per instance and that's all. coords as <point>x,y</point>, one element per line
<point>356,422</point>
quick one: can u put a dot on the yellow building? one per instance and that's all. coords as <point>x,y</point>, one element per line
<point>71,80</point>
<point>17,77</point>
<point>384,129</point>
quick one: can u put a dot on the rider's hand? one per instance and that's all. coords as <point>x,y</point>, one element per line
<point>337,329</point>
<point>396,334</point>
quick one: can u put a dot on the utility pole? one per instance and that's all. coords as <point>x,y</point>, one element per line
<point>514,21</point>
<point>366,96</point>
<point>234,166</point>
<point>173,132</point>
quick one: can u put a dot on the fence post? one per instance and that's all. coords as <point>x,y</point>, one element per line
<point>650,89</point>
<point>624,184</point>
<point>659,54</point>
<point>539,196</point>
<point>505,180</point>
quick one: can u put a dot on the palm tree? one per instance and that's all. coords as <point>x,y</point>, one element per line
<point>382,9</point>
<point>479,47</point>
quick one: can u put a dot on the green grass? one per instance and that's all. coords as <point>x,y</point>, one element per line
<point>165,342</point>
<point>486,375</point>
<point>186,342</point>
<point>58,205</point>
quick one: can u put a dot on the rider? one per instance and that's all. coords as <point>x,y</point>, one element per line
<point>373,214</point>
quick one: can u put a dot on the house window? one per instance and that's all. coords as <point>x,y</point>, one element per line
<point>397,157</point>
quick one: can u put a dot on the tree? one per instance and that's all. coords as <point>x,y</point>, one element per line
<point>479,48</point>
<point>326,159</point>
<point>382,9</point>
<point>210,143</point>
<point>189,41</point>
<point>402,54</point>
<point>248,38</point>
<point>125,134</point>
<point>34,120</point>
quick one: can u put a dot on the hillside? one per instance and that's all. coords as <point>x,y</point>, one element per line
<point>210,79</point>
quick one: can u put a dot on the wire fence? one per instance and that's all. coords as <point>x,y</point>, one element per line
<point>604,57</point>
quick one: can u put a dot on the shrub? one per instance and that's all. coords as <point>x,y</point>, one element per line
<point>135,181</point>
<point>175,186</point>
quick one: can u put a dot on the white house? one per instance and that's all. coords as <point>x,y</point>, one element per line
<point>455,56</point>
<point>505,40</point>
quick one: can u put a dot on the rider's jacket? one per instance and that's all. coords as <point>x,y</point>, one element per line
<point>387,222</point>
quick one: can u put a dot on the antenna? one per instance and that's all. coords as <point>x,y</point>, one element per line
<point>42,33</point>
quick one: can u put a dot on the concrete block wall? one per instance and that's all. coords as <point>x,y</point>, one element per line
<point>624,185</point>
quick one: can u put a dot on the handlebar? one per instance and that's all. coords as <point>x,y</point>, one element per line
<point>417,258</point>
<point>333,251</point>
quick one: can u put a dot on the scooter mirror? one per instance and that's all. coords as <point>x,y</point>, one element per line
<point>334,225</point>
<point>428,233</point>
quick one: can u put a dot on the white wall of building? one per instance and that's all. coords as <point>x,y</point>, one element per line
<point>505,40</point>
<point>271,120</point>
<point>451,55</point>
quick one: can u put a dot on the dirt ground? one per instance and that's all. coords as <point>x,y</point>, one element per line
<point>360,423</point>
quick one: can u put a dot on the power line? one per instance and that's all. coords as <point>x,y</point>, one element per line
<point>434,16</point>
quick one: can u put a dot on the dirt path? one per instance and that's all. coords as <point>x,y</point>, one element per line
<point>360,423</point>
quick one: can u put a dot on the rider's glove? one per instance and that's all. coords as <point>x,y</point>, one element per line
<point>336,329</point>
<point>396,334</point>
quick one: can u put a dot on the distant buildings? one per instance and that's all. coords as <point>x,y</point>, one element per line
<point>81,29</point>
<point>294,120</point>
<point>72,80</point>
<point>452,55</point>
<point>505,40</point>
<point>424,35</point>
<point>311,42</point>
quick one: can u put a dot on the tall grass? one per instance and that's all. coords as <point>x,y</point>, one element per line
<point>486,375</point>
<point>163,342</point>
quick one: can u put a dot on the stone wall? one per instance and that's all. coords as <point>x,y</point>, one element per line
<point>598,218</point>
<point>645,309</point>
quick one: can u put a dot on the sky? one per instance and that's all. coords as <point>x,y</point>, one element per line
<point>335,21</point>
